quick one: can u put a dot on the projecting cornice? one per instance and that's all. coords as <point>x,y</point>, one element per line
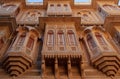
<point>44,20</point>
<point>112,20</point>
<point>9,21</point>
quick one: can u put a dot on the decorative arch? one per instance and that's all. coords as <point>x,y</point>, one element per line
<point>50,38</point>
<point>21,39</point>
<point>91,42</point>
<point>60,37</point>
<point>100,38</point>
<point>86,15</point>
<point>65,5</point>
<point>85,11</point>
<point>51,5</point>
<point>101,41</point>
<point>71,37</point>
<point>32,15</point>
<point>30,42</point>
<point>33,30</point>
<point>58,5</point>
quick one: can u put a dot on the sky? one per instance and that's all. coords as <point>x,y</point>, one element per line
<point>42,0</point>
<point>75,1</point>
<point>82,0</point>
<point>119,3</point>
<point>35,0</point>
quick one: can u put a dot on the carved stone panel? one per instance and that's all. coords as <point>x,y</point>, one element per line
<point>9,9</point>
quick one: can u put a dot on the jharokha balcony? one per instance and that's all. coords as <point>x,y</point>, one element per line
<point>103,56</point>
<point>19,56</point>
<point>17,61</point>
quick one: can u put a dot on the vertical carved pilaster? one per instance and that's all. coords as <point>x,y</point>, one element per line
<point>34,47</point>
<point>26,39</point>
<point>56,69</point>
<point>16,40</point>
<point>69,68</point>
<point>43,67</point>
<point>82,67</point>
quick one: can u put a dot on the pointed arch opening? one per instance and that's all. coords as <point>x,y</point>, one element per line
<point>101,41</point>
<point>50,38</point>
<point>21,39</point>
<point>91,42</point>
<point>60,37</point>
<point>71,37</point>
<point>30,43</point>
<point>100,38</point>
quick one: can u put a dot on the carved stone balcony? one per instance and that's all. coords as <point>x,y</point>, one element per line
<point>64,54</point>
<point>107,62</point>
<point>108,9</point>
<point>17,61</point>
<point>59,9</point>
<point>9,9</point>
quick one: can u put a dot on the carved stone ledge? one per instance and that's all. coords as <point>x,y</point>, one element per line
<point>16,64</point>
<point>107,64</point>
<point>62,56</point>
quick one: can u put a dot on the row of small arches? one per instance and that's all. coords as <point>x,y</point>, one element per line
<point>58,5</point>
<point>60,32</point>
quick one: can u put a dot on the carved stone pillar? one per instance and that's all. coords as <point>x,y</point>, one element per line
<point>82,64</point>
<point>26,39</point>
<point>69,68</point>
<point>43,67</point>
<point>16,40</point>
<point>56,69</point>
<point>34,48</point>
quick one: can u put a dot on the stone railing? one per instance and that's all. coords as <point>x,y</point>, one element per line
<point>28,22</point>
<point>15,49</point>
<point>76,54</point>
<point>20,49</point>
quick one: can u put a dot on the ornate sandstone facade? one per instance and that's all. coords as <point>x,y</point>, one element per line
<point>58,39</point>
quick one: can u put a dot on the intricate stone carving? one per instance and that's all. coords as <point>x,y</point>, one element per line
<point>20,56</point>
<point>11,9</point>
<point>56,8</point>
<point>105,55</point>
